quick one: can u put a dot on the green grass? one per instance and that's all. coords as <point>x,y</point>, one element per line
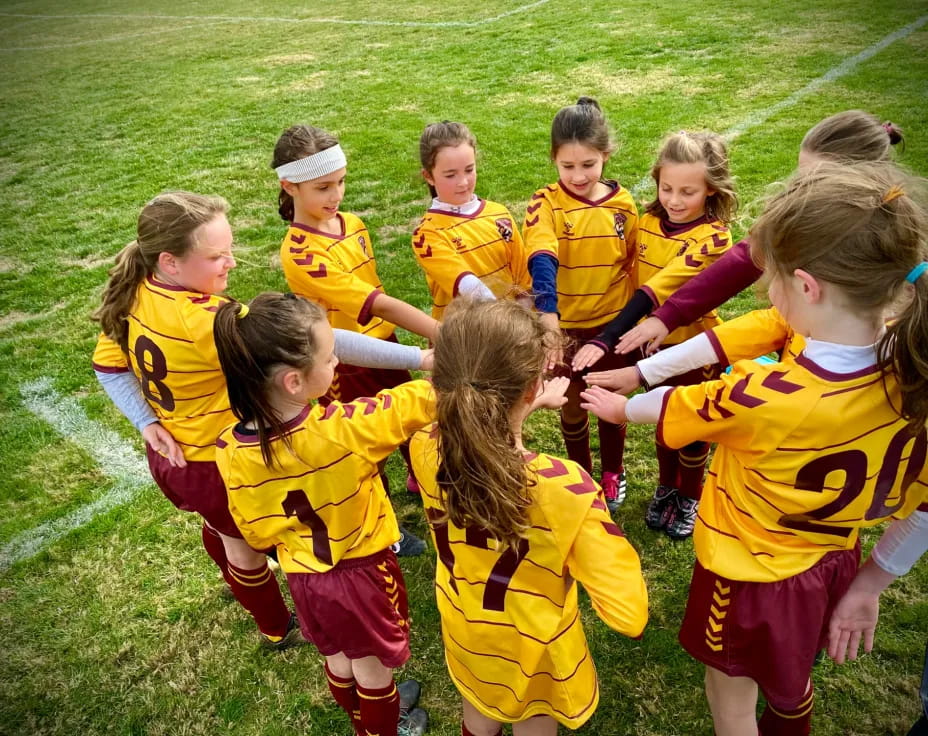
<point>120,626</point>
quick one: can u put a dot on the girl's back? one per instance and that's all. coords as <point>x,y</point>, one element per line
<point>806,457</point>
<point>510,617</point>
<point>323,499</point>
<point>171,351</point>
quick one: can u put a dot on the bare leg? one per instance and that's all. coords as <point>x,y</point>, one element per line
<point>535,726</point>
<point>733,702</point>
<point>477,723</point>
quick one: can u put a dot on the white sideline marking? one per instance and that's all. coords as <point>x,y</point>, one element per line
<point>122,464</point>
<point>276,19</point>
<point>831,75</point>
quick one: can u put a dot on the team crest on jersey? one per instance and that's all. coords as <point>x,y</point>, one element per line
<point>504,225</point>
<point>568,228</point>
<point>620,224</point>
<point>362,241</point>
<point>458,243</point>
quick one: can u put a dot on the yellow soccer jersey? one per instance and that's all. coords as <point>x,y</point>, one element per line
<point>485,244</point>
<point>668,258</point>
<point>324,501</point>
<point>338,272</point>
<point>514,643</point>
<point>755,334</point>
<point>171,351</point>
<point>595,244</point>
<point>806,457</point>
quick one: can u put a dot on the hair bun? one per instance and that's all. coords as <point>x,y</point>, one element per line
<point>589,101</point>
<point>895,135</point>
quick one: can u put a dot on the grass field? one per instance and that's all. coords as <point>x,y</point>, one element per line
<point>117,625</point>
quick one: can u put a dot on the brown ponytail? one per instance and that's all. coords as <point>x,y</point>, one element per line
<point>166,225</point>
<point>275,330</point>
<point>488,355</point>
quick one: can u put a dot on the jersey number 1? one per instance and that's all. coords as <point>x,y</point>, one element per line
<point>296,504</point>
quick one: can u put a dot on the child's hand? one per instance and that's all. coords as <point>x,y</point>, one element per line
<point>163,443</point>
<point>652,331</point>
<point>586,356</point>
<point>604,404</point>
<point>621,380</point>
<point>553,323</point>
<point>427,360</point>
<point>551,394</point>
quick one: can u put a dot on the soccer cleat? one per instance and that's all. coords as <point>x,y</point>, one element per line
<point>412,485</point>
<point>684,518</point>
<point>409,691</point>
<point>661,508</point>
<point>415,723</point>
<point>614,488</point>
<point>409,545</point>
<point>293,637</point>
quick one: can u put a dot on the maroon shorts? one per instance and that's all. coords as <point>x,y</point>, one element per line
<point>358,607</point>
<point>576,338</point>
<point>770,632</point>
<point>197,487</point>
<point>351,381</point>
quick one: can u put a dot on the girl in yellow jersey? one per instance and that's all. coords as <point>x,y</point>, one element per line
<point>464,244</point>
<point>157,361</point>
<point>581,234</point>
<point>514,531</point>
<point>683,231</point>
<point>157,321</point>
<point>304,478</point>
<point>810,449</point>
<point>328,256</point>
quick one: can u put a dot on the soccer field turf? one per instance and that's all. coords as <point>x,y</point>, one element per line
<point>112,616</point>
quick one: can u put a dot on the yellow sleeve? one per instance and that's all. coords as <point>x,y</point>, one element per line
<point>749,336</point>
<point>317,276</point>
<point>538,230</point>
<point>373,427</point>
<point>740,410</point>
<point>108,357</point>
<point>518,261</point>
<point>442,264</point>
<point>697,257</point>
<point>617,590</point>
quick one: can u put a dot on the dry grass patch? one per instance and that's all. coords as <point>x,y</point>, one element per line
<point>288,59</point>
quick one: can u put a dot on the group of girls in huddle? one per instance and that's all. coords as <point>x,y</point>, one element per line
<point>828,439</point>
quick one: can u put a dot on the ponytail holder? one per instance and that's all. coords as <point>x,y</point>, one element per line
<point>888,127</point>
<point>242,310</point>
<point>916,272</point>
<point>894,193</point>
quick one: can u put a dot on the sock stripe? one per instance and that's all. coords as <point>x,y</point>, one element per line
<point>376,694</point>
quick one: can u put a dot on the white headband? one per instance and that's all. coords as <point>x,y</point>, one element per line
<point>312,167</point>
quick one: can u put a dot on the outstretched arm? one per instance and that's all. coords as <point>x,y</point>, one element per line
<point>856,615</point>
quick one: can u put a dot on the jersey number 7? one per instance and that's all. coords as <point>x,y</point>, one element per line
<point>494,591</point>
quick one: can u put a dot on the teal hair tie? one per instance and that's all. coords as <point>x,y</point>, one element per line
<point>916,272</point>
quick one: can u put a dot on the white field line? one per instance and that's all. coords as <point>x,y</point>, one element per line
<point>122,464</point>
<point>846,66</point>
<point>277,19</point>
